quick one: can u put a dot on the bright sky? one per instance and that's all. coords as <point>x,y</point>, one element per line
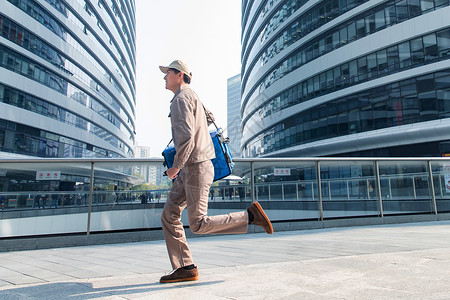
<point>203,33</point>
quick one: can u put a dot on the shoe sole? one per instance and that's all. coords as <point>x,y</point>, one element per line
<point>261,211</point>
<point>179,280</point>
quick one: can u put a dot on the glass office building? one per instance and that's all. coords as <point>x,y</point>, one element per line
<point>345,78</point>
<point>67,78</point>
<point>234,114</point>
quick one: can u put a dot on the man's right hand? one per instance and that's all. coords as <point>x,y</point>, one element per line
<point>172,173</point>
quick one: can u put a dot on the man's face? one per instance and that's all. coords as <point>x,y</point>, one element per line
<point>173,80</point>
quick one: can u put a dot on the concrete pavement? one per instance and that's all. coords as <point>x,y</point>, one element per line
<point>401,261</point>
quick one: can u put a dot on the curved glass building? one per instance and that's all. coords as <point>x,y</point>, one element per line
<point>67,78</point>
<point>345,78</point>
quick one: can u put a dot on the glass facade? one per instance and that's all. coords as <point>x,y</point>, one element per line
<point>61,67</point>
<point>234,114</point>
<point>305,83</point>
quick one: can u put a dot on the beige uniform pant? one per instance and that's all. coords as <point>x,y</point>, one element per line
<point>191,189</point>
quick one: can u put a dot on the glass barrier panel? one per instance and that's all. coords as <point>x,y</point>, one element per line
<point>405,187</point>
<point>348,189</point>
<point>441,180</point>
<point>235,188</point>
<point>128,194</point>
<point>34,185</point>
<point>43,197</point>
<point>287,189</point>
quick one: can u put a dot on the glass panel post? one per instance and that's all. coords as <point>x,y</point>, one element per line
<point>319,187</point>
<point>380,198</point>
<point>91,190</point>
<point>433,196</point>
<point>329,190</point>
<point>253,180</point>
<point>348,190</point>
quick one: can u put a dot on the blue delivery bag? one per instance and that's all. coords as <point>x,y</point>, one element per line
<point>223,163</point>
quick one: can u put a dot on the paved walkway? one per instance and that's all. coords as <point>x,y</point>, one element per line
<point>407,261</point>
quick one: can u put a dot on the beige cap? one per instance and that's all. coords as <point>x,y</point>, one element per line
<point>177,65</point>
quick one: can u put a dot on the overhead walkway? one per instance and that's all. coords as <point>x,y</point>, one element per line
<point>402,261</point>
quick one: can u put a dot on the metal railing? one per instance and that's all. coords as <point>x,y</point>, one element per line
<point>290,188</point>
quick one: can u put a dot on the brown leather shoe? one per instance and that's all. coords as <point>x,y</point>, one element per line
<point>260,218</point>
<point>180,274</point>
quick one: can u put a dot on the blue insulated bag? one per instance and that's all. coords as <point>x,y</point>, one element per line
<point>223,163</point>
<point>169,156</point>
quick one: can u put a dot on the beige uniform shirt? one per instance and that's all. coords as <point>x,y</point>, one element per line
<point>190,132</point>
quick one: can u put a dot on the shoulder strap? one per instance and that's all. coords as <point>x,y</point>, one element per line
<point>169,143</point>
<point>206,113</point>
